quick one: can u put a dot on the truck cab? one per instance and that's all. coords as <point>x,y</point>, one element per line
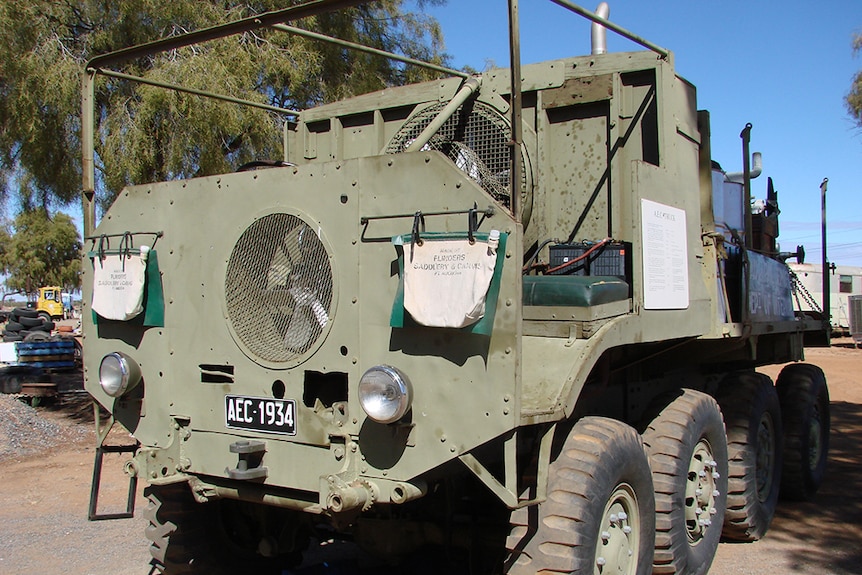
<point>49,303</point>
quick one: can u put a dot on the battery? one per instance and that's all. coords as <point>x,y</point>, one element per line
<point>610,259</point>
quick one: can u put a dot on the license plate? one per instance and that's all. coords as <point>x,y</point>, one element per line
<point>260,414</point>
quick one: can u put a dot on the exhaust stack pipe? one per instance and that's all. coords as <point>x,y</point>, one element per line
<point>756,169</point>
<point>599,36</point>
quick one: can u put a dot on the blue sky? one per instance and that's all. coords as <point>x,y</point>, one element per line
<point>784,66</point>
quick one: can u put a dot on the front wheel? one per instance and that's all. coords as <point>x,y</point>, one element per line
<point>217,538</point>
<point>599,516</point>
<point>687,450</point>
<point>177,531</point>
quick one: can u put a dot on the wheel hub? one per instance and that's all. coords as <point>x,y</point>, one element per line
<point>619,535</point>
<point>700,492</point>
<point>814,443</point>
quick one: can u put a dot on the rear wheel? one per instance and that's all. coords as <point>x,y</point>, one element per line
<point>804,398</point>
<point>752,416</point>
<point>599,514</point>
<point>687,448</point>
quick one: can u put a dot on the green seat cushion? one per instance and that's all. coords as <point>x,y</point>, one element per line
<point>571,290</point>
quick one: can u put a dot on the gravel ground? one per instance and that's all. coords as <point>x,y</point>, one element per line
<point>46,462</point>
<point>24,432</point>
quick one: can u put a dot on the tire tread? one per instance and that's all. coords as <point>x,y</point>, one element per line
<point>594,449</point>
<point>665,438</point>
<point>747,518</point>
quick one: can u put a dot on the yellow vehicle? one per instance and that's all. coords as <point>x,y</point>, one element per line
<point>50,303</point>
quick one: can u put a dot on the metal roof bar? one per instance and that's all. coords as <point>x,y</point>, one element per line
<point>516,80</point>
<point>664,53</point>
<point>265,20</point>
<point>196,92</point>
<point>368,50</point>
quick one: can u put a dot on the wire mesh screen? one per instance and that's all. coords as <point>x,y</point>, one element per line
<point>476,138</point>
<point>278,288</point>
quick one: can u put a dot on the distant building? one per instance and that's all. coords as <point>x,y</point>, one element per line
<point>844,281</point>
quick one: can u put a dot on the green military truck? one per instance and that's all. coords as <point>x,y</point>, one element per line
<point>514,315</point>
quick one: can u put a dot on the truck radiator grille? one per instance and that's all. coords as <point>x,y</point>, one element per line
<point>278,288</point>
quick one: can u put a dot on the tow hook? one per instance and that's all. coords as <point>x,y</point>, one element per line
<point>250,458</point>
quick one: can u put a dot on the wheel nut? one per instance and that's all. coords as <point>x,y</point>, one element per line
<point>606,536</point>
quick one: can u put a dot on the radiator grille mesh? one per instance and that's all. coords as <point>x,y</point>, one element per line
<point>278,288</point>
<point>476,138</point>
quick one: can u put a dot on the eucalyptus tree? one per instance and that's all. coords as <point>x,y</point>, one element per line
<point>41,250</point>
<point>145,133</point>
<point>854,97</point>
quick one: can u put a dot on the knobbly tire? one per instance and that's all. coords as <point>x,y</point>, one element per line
<point>687,449</point>
<point>599,513</point>
<point>177,531</point>
<point>752,417</point>
<point>804,398</point>
<point>190,538</point>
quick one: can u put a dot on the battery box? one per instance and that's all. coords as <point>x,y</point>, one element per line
<point>612,259</point>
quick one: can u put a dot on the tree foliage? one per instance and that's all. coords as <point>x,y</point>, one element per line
<point>854,98</point>
<point>40,251</point>
<point>149,134</point>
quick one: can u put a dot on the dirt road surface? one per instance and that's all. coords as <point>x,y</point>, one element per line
<point>46,462</point>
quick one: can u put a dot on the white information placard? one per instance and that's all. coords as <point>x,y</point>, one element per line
<point>665,256</point>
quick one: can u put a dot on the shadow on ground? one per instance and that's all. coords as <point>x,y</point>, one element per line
<point>77,406</point>
<point>829,524</point>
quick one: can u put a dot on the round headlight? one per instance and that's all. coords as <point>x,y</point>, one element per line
<point>118,373</point>
<point>385,394</point>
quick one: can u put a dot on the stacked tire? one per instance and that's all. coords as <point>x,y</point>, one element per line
<point>27,325</point>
